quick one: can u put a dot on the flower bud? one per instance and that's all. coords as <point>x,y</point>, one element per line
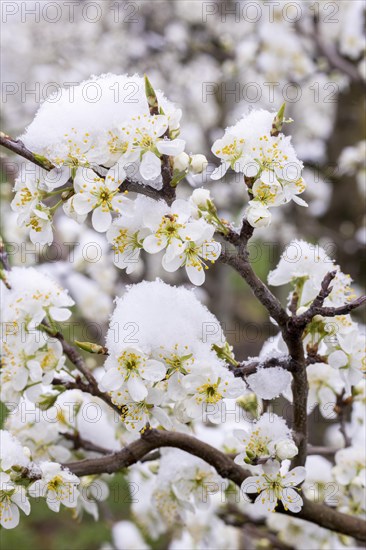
<point>286,448</point>
<point>258,216</point>
<point>200,197</point>
<point>91,348</point>
<point>198,163</point>
<point>181,162</point>
<point>27,452</point>
<point>47,400</point>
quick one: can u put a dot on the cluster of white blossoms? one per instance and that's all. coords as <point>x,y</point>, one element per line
<point>182,493</point>
<point>161,366</point>
<point>272,172</point>
<point>153,226</point>
<point>265,446</point>
<point>119,141</point>
<point>102,133</point>
<point>338,343</point>
<point>113,142</point>
<point>30,357</point>
<point>183,484</point>
<point>21,478</point>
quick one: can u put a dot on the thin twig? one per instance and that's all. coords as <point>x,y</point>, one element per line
<point>81,443</point>
<point>247,368</point>
<point>317,307</point>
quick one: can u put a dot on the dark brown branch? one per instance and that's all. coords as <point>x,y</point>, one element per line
<point>167,193</point>
<point>250,367</point>
<point>260,290</point>
<point>253,528</point>
<point>341,310</point>
<point>18,147</point>
<point>91,386</point>
<point>292,336</point>
<point>87,387</point>
<point>335,60</point>
<point>341,408</point>
<point>81,443</point>
<point>300,388</point>
<point>135,187</point>
<point>317,307</point>
<point>322,451</point>
<point>4,259</point>
<point>154,439</point>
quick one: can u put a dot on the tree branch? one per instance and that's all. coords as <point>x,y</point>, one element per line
<point>18,147</point>
<point>317,307</point>
<point>260,290</point>
<point>250,367</point>
<point>167,193</point>
<point>81,443</point>
<point>335,60</point>
<point>154,439</point>
<point>91,386</point>
<point>86,387</point>
<point>341,406</point>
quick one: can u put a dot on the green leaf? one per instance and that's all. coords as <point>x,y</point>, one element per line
<point>151,97</point>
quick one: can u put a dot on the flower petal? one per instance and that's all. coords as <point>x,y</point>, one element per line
<point>154,371</point>
<point>112,380</point>
<point>291,500</point>
<point>101,219</point>
<point>137,388</point>
<point>196,275</point>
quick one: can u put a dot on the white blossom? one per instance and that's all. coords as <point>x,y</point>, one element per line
<point>57,486</point>
<point>272,486</point>
<point>12,497</point>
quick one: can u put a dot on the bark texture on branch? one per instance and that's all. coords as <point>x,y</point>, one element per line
<point>291,327</point>
<point>155,439</point>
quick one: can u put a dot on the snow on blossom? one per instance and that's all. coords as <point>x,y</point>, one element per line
<point>302,261</point>
<point>305,265</point>
<point>273,486</point>
<point>131,367</point>
<point>160,354</point>
<point>12,453</point>
<point>269,161</point>
<point>117,127</point>
<point>157,316</point>
<point>269,437</point>
<point>269,382</point>
<point>34,295</point>
<point>12,498</point>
